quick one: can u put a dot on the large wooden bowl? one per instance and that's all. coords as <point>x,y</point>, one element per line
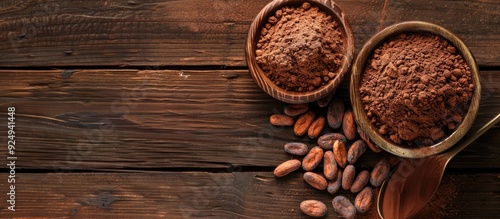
<point>265,83</point>
<point>361,115</point>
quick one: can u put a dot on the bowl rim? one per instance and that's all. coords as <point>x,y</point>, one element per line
<point>361,116</point>
<point>293,97</point>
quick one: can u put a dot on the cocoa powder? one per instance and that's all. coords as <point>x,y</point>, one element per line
<point>416,88</point>
<point>300,48</point>
<point>441,204</point>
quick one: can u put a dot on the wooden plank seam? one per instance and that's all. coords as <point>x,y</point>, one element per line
<point>95,136</point>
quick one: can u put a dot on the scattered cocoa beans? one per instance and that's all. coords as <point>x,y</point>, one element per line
<point>334,186</point>
<point>329,165</point>
<point>295,109</point>
<point>335,113</point>
<point>380,172</point>
<point>326,141</point>
<point>337,158</point>
<point>281,120</point>
<point>340,152</point>
<point>348,177</point>
<point>364,200</point>
<point>313,208</point>
<point>312,159</point>
<point>344,207</point>
<point>360,181</point>
<point>287,167</point>
<point>316,127</point>
<point>315,180</point>
<point>296,148</point>
<point>355,151</point>
<point>348,125</point>
<point>303,122</point>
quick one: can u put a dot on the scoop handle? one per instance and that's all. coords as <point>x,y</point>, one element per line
<point>455,150</point>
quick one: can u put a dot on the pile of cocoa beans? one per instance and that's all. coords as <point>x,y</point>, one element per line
<point>335,153</point>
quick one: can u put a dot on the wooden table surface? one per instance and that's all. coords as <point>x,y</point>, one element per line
<point>146,109</point>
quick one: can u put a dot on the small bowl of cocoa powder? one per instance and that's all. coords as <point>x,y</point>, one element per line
<point>299,51</point>
<point>415,89</point>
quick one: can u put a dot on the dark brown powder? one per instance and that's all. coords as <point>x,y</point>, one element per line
<point>300,49</point>
<point>440,206</point>
<point>416,88</point>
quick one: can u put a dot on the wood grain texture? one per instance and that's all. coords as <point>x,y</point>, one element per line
<point>466,19</point>
<point>254,33</point>
<point>214,195</point>
<point>194,138</point>
<point>128,119</point>
<point>201,32</point>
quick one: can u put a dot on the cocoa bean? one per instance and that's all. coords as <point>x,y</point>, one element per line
<point>312,159</point>
<point>313,208</point>
<point>303,122</point>
<point>375,148</point>
<point>340,152</point>
<point>348,125</point>
<point>355,151</point>
<point>316,127</point>
<point>334,186</point>
<point>281,120</point>
<point>329,165</point>
<point>295,109</point>
<point>380,172</point>
<point>326,141</point>
<point>315,180</point>
<point>286,167</point>
<point>348,177</point>
<point>296,148</point>
<point>325,101</point>
<point>335,113</point>
<point>364,200</point>
<point>360,181</point>
<point>344,207</point>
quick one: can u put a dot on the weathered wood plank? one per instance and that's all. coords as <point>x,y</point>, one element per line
<point>126,119</point>
<point>200,32</point>
<point>464,18</point>
<point>214,195</point>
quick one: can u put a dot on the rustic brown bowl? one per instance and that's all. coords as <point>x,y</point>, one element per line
<point>360,114</point>
<point>265,83</point>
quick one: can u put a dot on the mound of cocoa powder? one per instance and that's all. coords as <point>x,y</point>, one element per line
<point>416,89</point>
<point>300,49</point>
